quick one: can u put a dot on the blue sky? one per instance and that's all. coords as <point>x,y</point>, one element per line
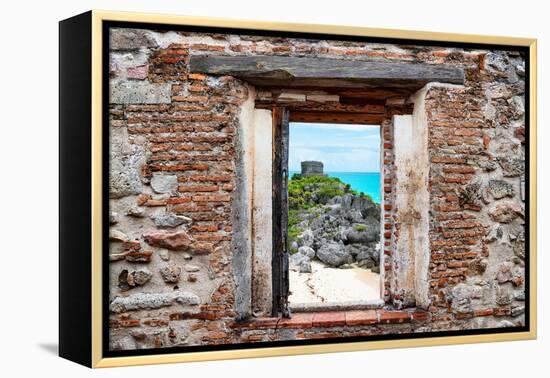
<point>341,148</point>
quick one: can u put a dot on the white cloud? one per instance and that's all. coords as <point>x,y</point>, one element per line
<point>337,126</point>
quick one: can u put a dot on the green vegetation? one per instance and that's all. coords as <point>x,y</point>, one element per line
<point>307,195</point>
<point>307,192</point>
<point>360,227</point>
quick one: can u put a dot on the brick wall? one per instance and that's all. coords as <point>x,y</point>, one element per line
<point>175,157</point>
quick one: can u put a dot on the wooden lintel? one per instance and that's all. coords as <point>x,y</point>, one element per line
<point>336,117</point>
<point>303,106</point>
<point>326,72</point>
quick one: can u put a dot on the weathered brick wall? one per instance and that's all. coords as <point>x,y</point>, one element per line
<point>477,161</point>
<point>175,157</point>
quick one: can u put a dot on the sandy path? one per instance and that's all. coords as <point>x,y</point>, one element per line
<point>332,285</point>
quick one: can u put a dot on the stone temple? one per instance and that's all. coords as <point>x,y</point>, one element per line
<point>312,168</point>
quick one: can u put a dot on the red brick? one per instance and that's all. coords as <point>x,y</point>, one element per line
<point>420,315</point>
<point>394,317</point>
<point>329,319</point>
<point>486,312</point>
<point>354,318</point>
<point>466,169</point>
<point>297,320</point>
<point>221,178</point>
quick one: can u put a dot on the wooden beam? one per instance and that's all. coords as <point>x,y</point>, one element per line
<point>325,72</point>
<point>304,106</point>
<point>336,117</point>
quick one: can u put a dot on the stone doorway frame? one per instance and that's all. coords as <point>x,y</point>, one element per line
<point>404,284</point>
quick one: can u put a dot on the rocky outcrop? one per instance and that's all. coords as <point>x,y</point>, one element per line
<point>343,230</point>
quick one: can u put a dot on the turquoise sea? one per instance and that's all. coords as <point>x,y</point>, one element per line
<point>366,182</point>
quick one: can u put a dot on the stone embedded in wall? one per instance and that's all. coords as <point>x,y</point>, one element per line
<point>461,298</point>
<point>494,234</point>
<point>148,301</point>
<point>506,213</point>
<point>500,189</point>
<point>169,220</point>
<point>470,194</point>
<point>164,184</point>
<point>137,72</point>
<point>136,212</point>
<point>130,39</point>
<point>118,235</point>
<point>128,280</point>
<point>191,268</point>
<point>511,166</point>
<point>178,240</point>
<point>518,246</point>
<point>126,92</point>
<point>113,218</point>
<point>518,310</point>
<point>126,161</point>
<point>139,256</point>
<point>504,273</point>
<point>164,255</point>
<point>170,273</point>
<point>487,165</point>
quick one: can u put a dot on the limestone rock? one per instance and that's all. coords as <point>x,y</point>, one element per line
<point>500,189</point>
<point>191,268</point>
<point>494,234</point>
<point>504,273</point>
<point>139,92</point>
<point>304,254</point>
<point>362,234</point>
<point>164,183</point>
<point>461,298</point>
<point>178,241</point>
<point>506,213</point>
<point>130,39</point>
<point>511,166</point>
<point>169,220</point>
<point>126,161</point>
<point>487,165</point>
<point>519,246</point>
<point>118,235</point>
<point>305,238</point>
<point>164,255</point>
<point>307,251</point>
<point>334,254</point>
<point>518,310</point>
<point>148,301</point>
<point>170,273</point>
<point>136,212</point>
<point>305,267</point>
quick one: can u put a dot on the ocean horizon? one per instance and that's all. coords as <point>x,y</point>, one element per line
<point>366,182</point>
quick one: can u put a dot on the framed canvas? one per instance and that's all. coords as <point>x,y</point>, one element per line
<point>235,189</point>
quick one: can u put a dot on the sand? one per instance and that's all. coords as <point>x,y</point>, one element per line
<point>333,285</point>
